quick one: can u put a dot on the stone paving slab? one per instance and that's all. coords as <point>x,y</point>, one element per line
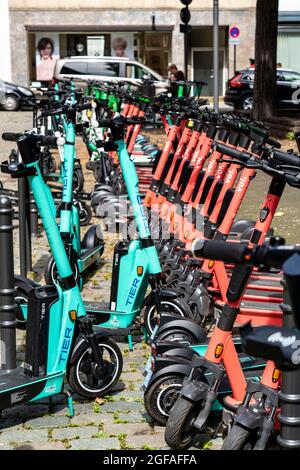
<point>96,444</point>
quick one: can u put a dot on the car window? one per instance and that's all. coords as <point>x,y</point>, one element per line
<point>135,71</point>
<point>248,76</point>
<point>74,68</point>
<point>108,69</point>
<point>290,76</point>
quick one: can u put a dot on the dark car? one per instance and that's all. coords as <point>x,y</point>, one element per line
<point>239,91</point>
<point>13,97</point>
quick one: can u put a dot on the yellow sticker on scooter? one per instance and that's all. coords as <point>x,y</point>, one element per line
<point>276,375</point>
<point>219,349</point>
<point>211,264</point>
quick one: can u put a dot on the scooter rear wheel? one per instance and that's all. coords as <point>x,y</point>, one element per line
<point>161,396</point>
<point>178,335</point>
<point>82,378</point>
<point>176,306</point>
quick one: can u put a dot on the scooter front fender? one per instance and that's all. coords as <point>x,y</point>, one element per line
<point>175,368</point>
<point>81,342</point>
<point>187,325</point>
<point>193,391</point>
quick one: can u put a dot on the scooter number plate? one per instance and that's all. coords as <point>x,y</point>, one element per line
<point>147,379</point>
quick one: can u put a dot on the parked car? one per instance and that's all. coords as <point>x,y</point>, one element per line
<point>13,97</point>
<point>239,91</point>
<point>107,69</point>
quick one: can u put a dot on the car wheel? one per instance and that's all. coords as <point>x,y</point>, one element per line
<point>247,103</point>
<point>10,103</point>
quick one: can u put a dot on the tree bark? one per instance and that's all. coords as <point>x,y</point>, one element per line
<point>265,88</point>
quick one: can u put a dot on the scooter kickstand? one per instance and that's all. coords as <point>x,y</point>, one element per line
<point>130,344</point>
<point>51,407</point>
<point>69,396</point>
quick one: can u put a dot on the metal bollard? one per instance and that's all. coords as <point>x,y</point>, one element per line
<point>7,287</point>
<point>289,395</point>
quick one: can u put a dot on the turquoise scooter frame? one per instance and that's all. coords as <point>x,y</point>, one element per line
<point>136,262</point>
<point>86,252</point>
<point>58,326</point>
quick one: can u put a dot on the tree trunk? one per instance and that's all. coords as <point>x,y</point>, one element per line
<point>265,88</point>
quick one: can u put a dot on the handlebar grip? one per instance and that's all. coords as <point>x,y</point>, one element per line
<point>231,152</point>
<point>220,250</point>
<point>287,158</point>
<point>82,107</point>
<point>53,112</point>
<point>104,122</point>
<point>274,143</point>
<point>10,136</point>
<point>48,140</point>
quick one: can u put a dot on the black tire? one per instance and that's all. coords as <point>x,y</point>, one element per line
<point>161,396</point>
<point>177,335</point>
<point>246,103</point>
<point>78,180</point>
<point>50,272</point>
<point>10,103</point>
<point>83,365</point>
<point>85,214</point>
<point>176,306</point>
<point>179,431</point>
<point>238,438</point>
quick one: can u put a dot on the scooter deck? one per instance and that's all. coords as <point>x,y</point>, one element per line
<point>16,387</point>
<point>96,307</point>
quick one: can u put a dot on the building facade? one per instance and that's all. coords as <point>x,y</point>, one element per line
<point>150,29</point>
<point>289,34</point>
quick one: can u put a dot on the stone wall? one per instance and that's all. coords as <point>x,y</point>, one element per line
<point>127,4</point>
<point>20,19</point>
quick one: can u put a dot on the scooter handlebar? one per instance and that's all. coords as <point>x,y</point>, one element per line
<point>11,136</point>
<point>220,250</point>
<point>47,140</point>
<point>288,159</point>
<point>231,152</point>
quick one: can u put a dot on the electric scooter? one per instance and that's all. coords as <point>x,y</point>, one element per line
<point>60,339</point>
<point>86,252</point>
<point>196,397</point>
<point>136,262</point>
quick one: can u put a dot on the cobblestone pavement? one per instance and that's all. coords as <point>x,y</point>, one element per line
<point>117,421</point>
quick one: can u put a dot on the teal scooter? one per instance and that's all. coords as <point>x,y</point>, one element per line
<point>136,264</point>
<point>86,252</point>
<point>61,342</point>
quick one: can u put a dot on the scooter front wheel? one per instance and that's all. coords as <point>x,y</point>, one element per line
<point>21,299</point>
<point>238,438</point>
<point>50,271</point>
<point>85,214</point>
<point>78,180</point>
<point>83,377</point>
<point>179,431</point>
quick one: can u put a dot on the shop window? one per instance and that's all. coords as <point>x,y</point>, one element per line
<point>74,68</point>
